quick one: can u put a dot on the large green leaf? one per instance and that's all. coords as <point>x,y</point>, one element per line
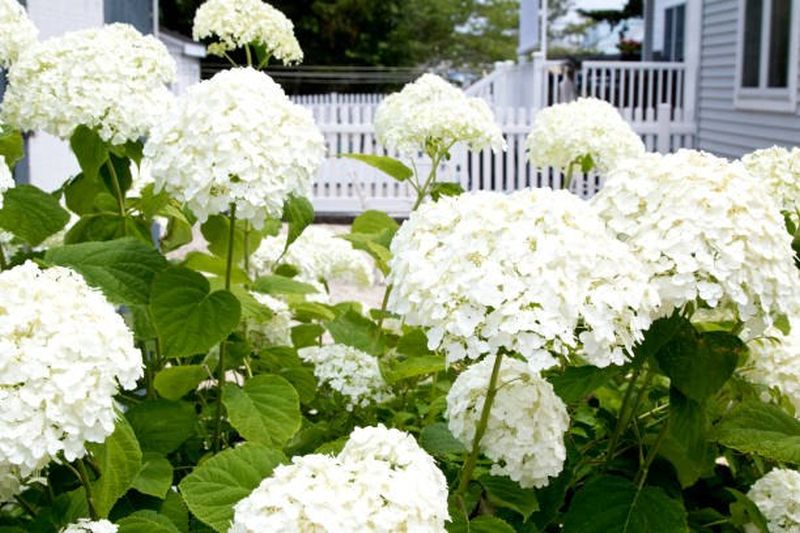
<point>503,492</point>
<point>162,425</point>
<point>388,165</point>
<point>174,382</point>
<point>436,439</point>
<point>155,477</point>
<point>372,245</point>
<point>216,231</point>
<point>90,150</point>
<point>31,214</point>
<point>413,367</point>
<point>212,264</point>
<point>123,269</point>
<point>174,508</point>
<point>699,364</point>
<point>266,410</point>
<point>12,146</point>
<point>611,504</point>
<point>146,522</point>
<point>481,524</point>
<point>299,214</point>
<point>84,195</point>
<point>107,226</point>
<point>216,485</point>
<point>357,331</point>
<point>763,429</point>
<point>575,383</point>
<point>274,284</point>
<point>376,223</point>
<point>119,459</point>
<point>685,443</point>
<point>189,318</point>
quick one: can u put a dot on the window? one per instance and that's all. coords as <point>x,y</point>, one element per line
<point>674,28</point>
<point>767,56</point>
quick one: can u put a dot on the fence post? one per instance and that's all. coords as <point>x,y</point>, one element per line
<point>538,81</point>
<point>663,130</point>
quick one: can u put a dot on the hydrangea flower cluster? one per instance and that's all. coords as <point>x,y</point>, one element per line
<point>10,482</point>
<point>237,23</point>
<point>6,179</point>
<point>777,496</point>
<point>565,133</point>
<point>431,109</point>
<point>64,352</point>
<point>84,525</point>
<point>319,255</point>
<point>17,32</point>
<point>381,481</point>
<point>779,168</point>
<point>349,371</point>
<point>705,228</point>
<point>275,331</point>
<point>235,139</point>
<point>111,79</point>
<point>523,272</point>
<point>775,362</point>
<point>525,434</point>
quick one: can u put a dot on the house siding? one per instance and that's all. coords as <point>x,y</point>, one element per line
<point>722,128</point>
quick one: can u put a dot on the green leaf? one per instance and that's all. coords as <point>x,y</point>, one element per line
<point>307,311</point>
<point>503,492</point>
<point>106,227</point>
<point>413,367</point>
<point>31,214</point>
<point>146,521</point>
<point>375,223</point>
<point>216,231</point>
<point>685,442</point>
<point>12,146</point>
<point>155,477</point>
<point>189,318</point>
<point>175,509</point>
<point>357,331</point>
<point>306,335</point>
<point>414,343</point>
<point>162,425</point>
<point>699,364</point>
<point>175,382</point>
<point>371,244</point>
<point>762,429</point>
<point>575,383</point>
<point>212,264</point>
<point>482,524</point>
<point>216,485</point>
<point>388,165</point>
<point>84,195</point>
<point>744,512</point>
<point>609,504</point>
<point>89,148</point>
<point>658,335</point>
<point>265,411</point>
<point>123,269</point>
<point>119,459</point>
<point>299,214</point>
<point>274,284</point>
<point>441,189</point>
<point>436,439</point>
<point>303,381</point>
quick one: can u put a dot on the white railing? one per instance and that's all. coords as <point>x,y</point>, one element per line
<point>338,98</point>
<point>345,186</point>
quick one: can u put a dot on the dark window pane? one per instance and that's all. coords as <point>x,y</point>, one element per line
<point>752,43</point>
<point>668,32</point>
<point>138,13</point>
<point>779,43</point>
<point>680,21</point>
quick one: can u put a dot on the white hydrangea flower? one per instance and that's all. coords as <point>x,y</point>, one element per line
<point>277,331</point>
<point>10,482</point>
<point>524,272</point>
<point>319,255</point>
<point>381,481</point>
<point>64,352</point>
<point>564,133</point>
<point>111,79</point>
<point>705,228</point>
<point>779,168</point>
<point>6,179</point>
<point>777,496</point>
<point>236,23</point>
<point>17,32</point>
<point>775,362</point>
<point>349,371</point>
<point>433,109</point>
<point>84,525</point>
<point>525,434</point>
<point>236,138</point>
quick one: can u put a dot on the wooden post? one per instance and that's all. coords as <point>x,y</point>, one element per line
<point>539,100</point>
<point>663,130</point>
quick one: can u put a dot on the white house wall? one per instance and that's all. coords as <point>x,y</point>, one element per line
<point>722,128</point>
<point>50,160</point>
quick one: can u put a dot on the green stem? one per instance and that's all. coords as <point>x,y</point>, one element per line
<point>568,178</point>
<point>472,458</point>
<point>423,190</point>
<point>246,247</point>
<point>249,55</point>
<point>384,304</point>
<point>25,505</point>
<point>651,455</point>
<point>83,477</point>
<point>612,443</point>
<point>117,189</point>
<point>3,264</point>
<point>221,362</point>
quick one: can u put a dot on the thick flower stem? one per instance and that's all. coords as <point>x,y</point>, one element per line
<point>621,420</point>
<point>221,362</point>
<point>472,459</point>
<point>568,178</point>
<point>117,189</point>
<point>83,476</point>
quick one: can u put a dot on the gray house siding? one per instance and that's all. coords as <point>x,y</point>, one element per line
<point>138,13</point>
<point>722,128</point>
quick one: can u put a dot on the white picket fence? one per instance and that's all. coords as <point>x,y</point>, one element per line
<point>650,96</point>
